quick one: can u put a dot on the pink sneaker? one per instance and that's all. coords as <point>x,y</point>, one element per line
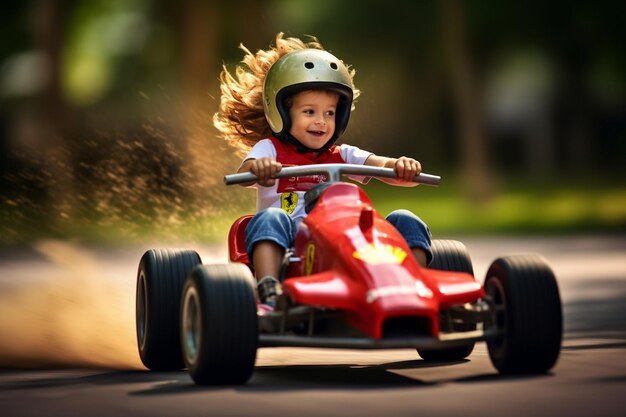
<point>264,308</point>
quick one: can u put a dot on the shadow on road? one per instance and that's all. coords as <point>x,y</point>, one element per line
<point>264,378</point>
<point>25,380</point>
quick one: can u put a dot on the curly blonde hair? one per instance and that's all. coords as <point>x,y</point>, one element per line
<point>241,118</point>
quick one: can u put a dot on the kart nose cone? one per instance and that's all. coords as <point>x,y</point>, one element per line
<point>418,289</point>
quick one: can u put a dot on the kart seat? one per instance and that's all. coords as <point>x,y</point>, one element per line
<point>237,240</point>
<point>312,195</point>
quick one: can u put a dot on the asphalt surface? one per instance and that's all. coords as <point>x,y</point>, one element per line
<point>67,347</point>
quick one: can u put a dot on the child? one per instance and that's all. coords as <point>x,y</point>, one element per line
<point>290,105</point>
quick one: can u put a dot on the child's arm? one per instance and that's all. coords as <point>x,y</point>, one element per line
<point>264,168</point>
<point>406,169</point>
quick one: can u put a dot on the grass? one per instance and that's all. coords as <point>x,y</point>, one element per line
<point>519,208</point>
<point>516,208</point>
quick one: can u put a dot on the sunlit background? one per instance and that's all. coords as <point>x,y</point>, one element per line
<point>107,146</point>
<point>106,105</point>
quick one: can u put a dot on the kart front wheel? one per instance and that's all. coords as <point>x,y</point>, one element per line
<point>160,279</point>
<point>450,255</point>
<point>219,324</point>
<point>525,297</point>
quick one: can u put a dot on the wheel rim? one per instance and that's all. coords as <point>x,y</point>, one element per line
<point>191,326</point>
<point>495,291</point>
<point>142,313</point>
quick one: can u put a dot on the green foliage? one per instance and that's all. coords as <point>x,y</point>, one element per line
<point>518,208</point>
<point>135,83</point>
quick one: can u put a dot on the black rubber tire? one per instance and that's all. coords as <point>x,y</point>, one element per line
<point>160,279</point>
<point>219,324</point>
<point>449,255</point>
<point>526,299</point>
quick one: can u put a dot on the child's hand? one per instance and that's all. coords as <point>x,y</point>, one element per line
<point>406,168</point>
<point>265,169</point>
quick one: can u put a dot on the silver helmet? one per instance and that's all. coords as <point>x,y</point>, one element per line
<point>306,69</point>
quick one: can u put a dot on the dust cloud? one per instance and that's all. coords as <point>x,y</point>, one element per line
<point>68,309</point>
<point>64,304</point>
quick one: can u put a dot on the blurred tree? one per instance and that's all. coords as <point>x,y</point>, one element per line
<point>87,85</point>
<point>52,113</point>
<point>471,133</point>
<point>203,30</point>
<point>200,25</point>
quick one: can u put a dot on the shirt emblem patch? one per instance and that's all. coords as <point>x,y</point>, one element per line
<point>288,201</point>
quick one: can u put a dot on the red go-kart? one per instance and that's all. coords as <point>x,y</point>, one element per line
<point>350,281</point>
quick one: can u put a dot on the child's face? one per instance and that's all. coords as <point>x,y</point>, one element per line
<point>313,117</point>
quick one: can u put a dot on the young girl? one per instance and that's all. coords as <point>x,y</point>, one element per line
<point>290,103</point>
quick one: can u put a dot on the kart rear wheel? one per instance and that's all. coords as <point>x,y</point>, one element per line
<point>450,255</point>
<point>525,296</point>
<point>219,324</point>
<point>160,279</point>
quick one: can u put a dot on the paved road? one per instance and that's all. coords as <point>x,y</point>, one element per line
<point>67,314</point>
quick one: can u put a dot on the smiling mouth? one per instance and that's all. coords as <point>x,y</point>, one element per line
<point>316,132</point>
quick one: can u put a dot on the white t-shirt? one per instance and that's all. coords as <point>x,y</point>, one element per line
<point>293,202</point>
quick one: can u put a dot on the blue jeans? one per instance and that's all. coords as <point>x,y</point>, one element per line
<point>275,225</point>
